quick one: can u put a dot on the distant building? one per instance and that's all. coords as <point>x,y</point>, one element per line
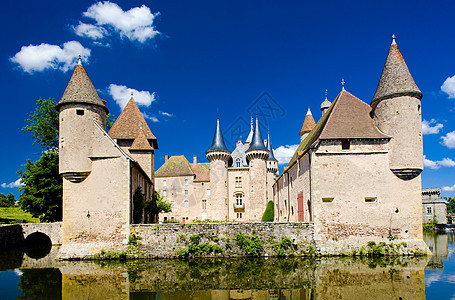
<point>434,207</point>
<point>234,186</point>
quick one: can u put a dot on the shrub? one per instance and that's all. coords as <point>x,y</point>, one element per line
<point>268,215</point>
<point>251,246</point>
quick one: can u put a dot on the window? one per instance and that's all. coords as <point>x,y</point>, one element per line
<point>208,193</point>
<point>238,181</point>
<point>186,181</point>
<point>371,199</point>
<point>345,145</point>
<point>80,112</point>
<point>239,199</point>
<point>164,193</point>
<point>429,210</point>
<point>239,215</point>
<point>186,192</point>
<point>204,204</point>
<point>185,203</point>
<point>165,218</point>
<point>164,183</point>
<point>237,162</point>
<point>292,210</point>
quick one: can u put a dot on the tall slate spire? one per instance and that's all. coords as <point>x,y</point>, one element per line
<point>257,143</point>
<point>395,78</point>
<point>269,147</point>
<point>218,140</point>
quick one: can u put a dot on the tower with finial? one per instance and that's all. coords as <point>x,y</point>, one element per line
<point>396,112</point>
<point>307,126</point>
<point>79,107</point>
<point>218,155</point>
<point>325,104</point>
<point>272,170</point>
<point>257,155</point>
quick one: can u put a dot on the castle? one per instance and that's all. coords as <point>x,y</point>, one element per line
<point>234,186</point>
<point>101,171</point>
<point>354,178</point>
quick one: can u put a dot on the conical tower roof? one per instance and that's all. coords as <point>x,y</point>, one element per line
<point>129,123</point>
<point>269,147</point>
<point>218,140</point>
<point>257,142</point>
<point>395,78</point>
<point>308,123</point>
<point>250,135</point>
<point>80,89</point>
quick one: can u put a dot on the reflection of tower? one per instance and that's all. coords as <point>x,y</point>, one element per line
<point>79,107</point>
<point>257,155</point>
<point>396,112</point>
<point>272,170</point>
<point>218,155</point>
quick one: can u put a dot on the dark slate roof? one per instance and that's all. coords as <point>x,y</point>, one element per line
<point>343,118</point>
<point>80,89</point>
<point>202,172</point>
<point>129,123</point>
<point>269,147</point>
<point>350,119</point>
<point>218,140</point>
<point>395,77</point>
<point>308,123</point>
<point>141,142</point>
<point>257,143</point>
<point>175,166</point>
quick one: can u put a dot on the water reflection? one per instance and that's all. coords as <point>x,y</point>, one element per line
<point>326,278</point>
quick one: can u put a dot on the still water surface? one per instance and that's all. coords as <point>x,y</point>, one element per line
<point>433,277</point>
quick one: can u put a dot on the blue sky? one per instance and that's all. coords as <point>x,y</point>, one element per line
<point>188,60</point>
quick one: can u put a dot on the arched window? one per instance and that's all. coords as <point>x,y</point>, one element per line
<point>185,203</point>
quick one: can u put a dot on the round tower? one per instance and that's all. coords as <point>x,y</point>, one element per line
<point>272,170</point>
<point>396,112</point>
<point>79,107</point>
<point>218,156</point>
<point>257,156</point>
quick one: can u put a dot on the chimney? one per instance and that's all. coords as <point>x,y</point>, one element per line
<point>166,157</point>
<point>194,160</point>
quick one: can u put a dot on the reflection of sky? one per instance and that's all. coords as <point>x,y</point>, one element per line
<point>9,284</point>
<point>440,284</point>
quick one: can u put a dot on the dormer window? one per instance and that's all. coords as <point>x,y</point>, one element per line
<point>237,162</point>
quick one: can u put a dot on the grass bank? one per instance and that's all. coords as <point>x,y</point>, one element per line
<point>10,215</point>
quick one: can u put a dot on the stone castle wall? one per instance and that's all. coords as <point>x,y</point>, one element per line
<point>166,240</point>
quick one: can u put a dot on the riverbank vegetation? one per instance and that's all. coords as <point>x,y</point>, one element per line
<point>14,214</point>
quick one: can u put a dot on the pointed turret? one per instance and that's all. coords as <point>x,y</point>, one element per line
<point>269,147</point>
<point>250,135</point>
<point>325,104</point>
<point>257,142</point>
<point>218,140</point>
<point>395,78</point>
<point>308,125</point>
<point>396,112</point>
<point>80,89</point>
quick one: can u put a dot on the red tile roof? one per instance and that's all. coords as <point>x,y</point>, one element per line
<point>175,166</point>
<point>141,142</point>
<point>308,124</point>
<point>202,172</point>
<point>129,123</point>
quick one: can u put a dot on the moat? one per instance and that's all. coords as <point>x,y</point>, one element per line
<point>23,277</point>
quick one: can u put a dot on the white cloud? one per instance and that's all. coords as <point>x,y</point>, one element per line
<point>445,162</point>
<point>152,118</point>
<point>89,30</point>
<point>449,188</point>
<point>11,185</point>
<point>448,87</point>
<point>428,129</point>
<point>45,56</point>
<point>449,140</point>
<point>122,94</point>
<point>135,24</point>
<point>284,153</point>
<point>166,114</point>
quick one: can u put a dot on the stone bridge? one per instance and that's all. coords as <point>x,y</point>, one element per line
<point>52,230</point>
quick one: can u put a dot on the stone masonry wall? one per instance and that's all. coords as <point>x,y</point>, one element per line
<point>166,240</point>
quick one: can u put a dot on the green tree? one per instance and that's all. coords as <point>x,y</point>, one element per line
<point>451,206</point>
<point>157,205</point>
<point>43,124</point>
<point>42,190</point>
<point>7,200</point>
<point>268,213</point>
